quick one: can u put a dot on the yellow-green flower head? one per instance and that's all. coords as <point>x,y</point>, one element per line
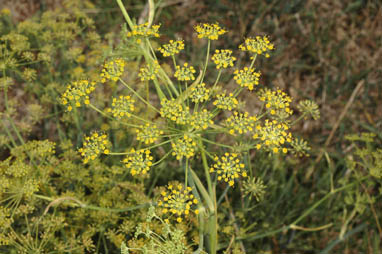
<point>172,48</point>
<point>259,45</point>
<point>240,123</point>
<point>254,188</point>
<point>199,93</point>
<point>228,168</point>
<point>226,102</point>
<point>176,112</point>
<point>113,70</point>
<point>210,31</point>
<point>149,71</point>
<point>93,146</point>
<point>78,93</point>
<point>148,134</point>
<point>247,77</point>
<point>184,73</point>
<point>122,107</point>
<point>184,146</point>
<point>273,136</point>
<point>309,107</point>
<point>300,147</point>
<point>143,31</point>
<point>223,58</point>
<point>201,120</point>
<point>138,162</point>
<point>276,102</point>
<point>177,201</point>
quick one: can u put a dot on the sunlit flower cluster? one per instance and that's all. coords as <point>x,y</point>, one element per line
<point>138,161</point>
<point>184,147</point>
<point>177,201</point>
<point>77,92</point>
<point>148,133</point>
<point>93,146</point>
<point>199,93</point>
<point>172,48</point>
<point>276,102</point>
<point>143,31</point>
<point>176,112</point>
<point>240,123</point>
<point>185,72</point>
<point>247,77</point>
<point>210,31</point>
<point>201,120</point>
<point>228,168</point>
<point>226,102</point>
<point>122,107</point>
<point>113,70</point>
<point>259,45</point>
<point>223,58</point>
<point>273,136</point>
<point>149,71</point>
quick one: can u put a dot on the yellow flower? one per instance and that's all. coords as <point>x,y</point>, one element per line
<point>122,107</point>
<point>247,77</point>
<point>143,31</point>
<point>138,162</point>
<point>223,59</point>
<point>210,31</point>
<point>148,133</point>
<point>199,93</point>
<point>184,146</point>
<point>201,120</point>
<point>77,93</point>
<point>226,102</point>
<point>93,146</point>
<point>175,111</point>
<point>149,71</point>
<point>228,168</point>
<point>276,102</point>
<point>172,48</point>
<point>240,123</point>
<point>184,73</point>
<point>112,70</point>
<point>259,45</point>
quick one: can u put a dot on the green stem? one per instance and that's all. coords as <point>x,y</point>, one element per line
<point>207,58</point>
<point>125,14</point>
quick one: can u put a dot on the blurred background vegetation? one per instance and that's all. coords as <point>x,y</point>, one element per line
<point>327,51</point>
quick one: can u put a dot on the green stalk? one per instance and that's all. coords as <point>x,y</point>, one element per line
<point>125,14</point>
<point>207,58</point>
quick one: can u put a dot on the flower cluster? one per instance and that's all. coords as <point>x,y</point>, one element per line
<point>148,133</point>
<point>143,31</point>
<point>138,162</point>
<point>254,188</point>
<point>172,48</point>
<point>226,102</point>
<point>177,201</point>
<point>223,58</point>
<point>228,168</point>
<point>174,111</point>
<point>258,45</point>
<point>276,102</point>
<point>184,73</point>
<point>77,92</point>
<point>93,146</point>
<point>184,146</point>
<point>273,136</point>
<point>199,93</point>
<point>309,107</point>
<point>210,31</point>
<point>122,107</point>
<point>247,77</point>
<point>300,147</point>
<point>240,123</point>
<point>112,70</point>
<point>149,71</point>
<point>201,120</point>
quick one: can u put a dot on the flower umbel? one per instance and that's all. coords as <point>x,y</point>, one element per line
<point>148,134</point>
<point>226,102</point>
<point>149,71</point>
<point>300,147</point>
<point>138,162</point>
<point>210,31</point>
<point>240,123</point>
<point>93,146</point>
<point>77,92</point>
<point>228,168</point>
<point>223,58</point>
<point>254,188</point>
<point>199,93</point>
<point>184,73</point>
<point>276,102</point>
<point>177,201</point>
<point>172,48</point>
<point>122,107</point>
<point>247,77</point>
<point>112,70</point>
<point>184,146</point>
<point>309,107</point>
<point>201,120</point>
<point>143,31</point>
<point>259,45</point>
<point>174,111</point>
<point>273,136</point>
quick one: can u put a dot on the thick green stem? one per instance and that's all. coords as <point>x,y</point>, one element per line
<point>125,14</point>
<point>207,58</point>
